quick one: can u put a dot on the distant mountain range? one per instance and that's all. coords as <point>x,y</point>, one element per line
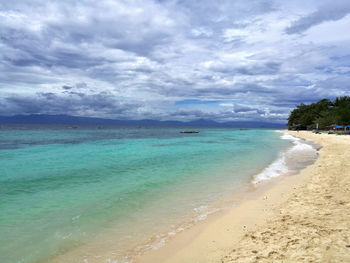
<point>42,119</point>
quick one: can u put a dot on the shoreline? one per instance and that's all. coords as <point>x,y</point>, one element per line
<point>95,249</point>
<point>219,239</point>
<point>224,205</point>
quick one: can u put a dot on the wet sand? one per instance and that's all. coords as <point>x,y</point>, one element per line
<point>300,218</point>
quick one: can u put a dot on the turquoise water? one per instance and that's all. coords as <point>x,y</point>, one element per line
<point>61,190</point>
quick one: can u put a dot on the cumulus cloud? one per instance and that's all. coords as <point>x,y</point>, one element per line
<point>139,59</point>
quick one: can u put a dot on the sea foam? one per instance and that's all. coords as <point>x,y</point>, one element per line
<point>293,160</point>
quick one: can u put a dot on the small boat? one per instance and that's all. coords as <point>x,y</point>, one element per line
<point>189,132</point>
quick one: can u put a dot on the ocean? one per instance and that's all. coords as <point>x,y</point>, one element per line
<point>106,195</point>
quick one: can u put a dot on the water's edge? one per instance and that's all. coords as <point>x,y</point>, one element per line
<point>68,189</point>
<point>290,162</point>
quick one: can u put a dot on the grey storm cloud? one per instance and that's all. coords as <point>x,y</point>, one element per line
<point>65,87</point>
<point>243,108</point>
<point>74,103</point>
<point>330,11</point>
<point>266,68</point>
<point>137,59</point>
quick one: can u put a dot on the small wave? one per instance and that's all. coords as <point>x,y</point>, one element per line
<point>286,136</point>
<point>293,160</point>
<point>275,169</point>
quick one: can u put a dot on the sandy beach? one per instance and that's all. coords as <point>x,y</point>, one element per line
<point>300,218</point>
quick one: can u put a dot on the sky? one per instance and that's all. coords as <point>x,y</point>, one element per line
<point>233,60</point>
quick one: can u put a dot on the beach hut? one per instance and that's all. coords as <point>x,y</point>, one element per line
<point>340,129</point>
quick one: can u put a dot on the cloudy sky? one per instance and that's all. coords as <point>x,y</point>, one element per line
<point>172,60</point>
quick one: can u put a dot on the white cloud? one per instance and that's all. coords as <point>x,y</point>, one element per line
<point>265,54</point>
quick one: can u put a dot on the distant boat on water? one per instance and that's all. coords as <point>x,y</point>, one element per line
<point>189,132</point>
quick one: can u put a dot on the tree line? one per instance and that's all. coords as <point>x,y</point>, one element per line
<point>323,113</point>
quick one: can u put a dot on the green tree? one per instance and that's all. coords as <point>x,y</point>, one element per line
<point>324,113</point>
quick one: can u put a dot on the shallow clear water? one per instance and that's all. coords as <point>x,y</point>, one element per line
<point>62,189</point>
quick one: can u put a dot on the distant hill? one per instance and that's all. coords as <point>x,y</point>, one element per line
<point>43,119</point>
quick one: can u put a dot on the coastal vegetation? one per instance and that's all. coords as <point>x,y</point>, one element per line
<point>321,114</point>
